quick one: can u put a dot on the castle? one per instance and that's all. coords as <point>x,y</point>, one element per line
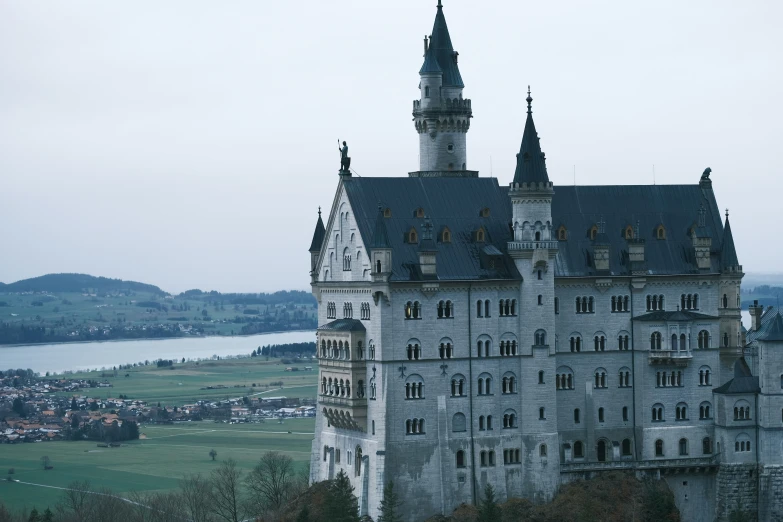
<point>529,335</point>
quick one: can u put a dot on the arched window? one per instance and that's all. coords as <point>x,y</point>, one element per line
<point>486,308</point>
<point>657,412</point>
<point>564,378</point>
<point>683,447</point>
<point>460,459</point>
<point>725,339</point>
<point>358,461</point>
<point>485,384</point>
<point>509,419</point>
<point>479,308</point>
<point>542,450</point>
<point>705,410</point>
<point>480,235</point>
<point>704,339</point>
<point>624,376</point>
<point>445,348</point>
<point>540,338</point>
<point>706,446</point>
<point>413,237</point>
<point>426,91</point>
<point>562,233</point>
<point>599,342</point>
<point>593,232</point>
<point>541,377</point>
<point>681,412</point>
<point>741,410</point>
<point>659,448</point>
<point>557,305</point>
<point>660,232</point>
<point>458,422</point>
<point>445,236</point>
<point>655,341</point>
<point>705,376</point>
<point>600,378</point>
<point>541,414</point>
<point>725,301</point>
<point>629,232</point>
<point>576,342</point>
<point>742,443</point>
<point>458,385</point>
<point>626,447</point>
<point>414,387</point>
<point>579,452</point>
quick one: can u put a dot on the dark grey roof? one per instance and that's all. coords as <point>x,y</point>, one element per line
<point>451,202</point>
<point>676,207</point>
<point>743,382</point>
<point>380,238</point>
<point>772,331</point>
<point>531,163</point>
<point>440,54</point>
<point>344,325</point>
<point>766,319</point>
<point>318,234</point>
<point>456,202</point>
<point>679,315</point>
<point>728,253</point>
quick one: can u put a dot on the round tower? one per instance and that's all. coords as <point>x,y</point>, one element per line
<point>441,115</point>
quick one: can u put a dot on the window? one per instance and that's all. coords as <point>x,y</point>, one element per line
<point>625,413</point>
<point>725,339</point>
<point>659,448</point>
<point>540,299</point>
<point>576,343</point>
<point>622,343</point>
<point>414,387</point>
<point>479,235</point>
<point>593,232</point>
<point>579,452</point>
<point>557,305</point>
<point>657,413</point>
<point>705,376</point>
<point>725,301</point>
<point>629,232</point>
<point>414,426</point>
<point>625,377</point>
<point>600,415</point>
<point>620,303</point>
<point>541,414</point>
<point>600,378</point>
<point>626,447</point>
<point>426,91</point>
<point>445,349</point>
<point>508,348</point>
<point>511,456</point>
<point>705,410</point>
<point>458,386</point>
<point>704,339</point>
<point>660,232</point>
<point>741,410</point>
<point>540,338</point>
<point>413,350</point>
<point>460,459</point>
<point>458,422</point>
<point>509,384</point>
<point>412,237</point>
<point>681,412</point>
<point>742,443</point>
<point>655,341</point>
<point>507,307</point>
<point>599,343</point>
<point>706,446</point>
<point>577,419</point>
<point>331,310</point>
<point>654,303</point>
<point>541,377</point>
<point>337,456</point>
<point>412,310</point>
<point>346,260</point>
<point>347,310</point>
<point>689,302</point>
<point>564,378</point>
<point>485,384</point>
<point>510,419</point>
<point>484,212</point>
<point>542,450</point>
<point>486,308</point>
<point>562,233</point>
<point>482,347</point>
<point>365,311</point>
<point>445,236</point>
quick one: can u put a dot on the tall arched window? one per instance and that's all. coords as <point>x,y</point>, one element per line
<point>683,447</point>
<point>655,341</point>
<point>579,452</point>
<point>704,339</point>
<point>706,446</point>
<point>659,448</point>
<point>460,459</point>
<point>540,338</point>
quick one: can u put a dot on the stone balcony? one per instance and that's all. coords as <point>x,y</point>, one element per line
<point>532,245</point>
<point>675,357</point>
<point>708,463</point>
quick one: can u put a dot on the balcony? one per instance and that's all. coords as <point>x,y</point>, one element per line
<point>675,357</point>
<point>348,402</point>
<point>693,463</point>
<point>532,245</point>
<point>347,364</point>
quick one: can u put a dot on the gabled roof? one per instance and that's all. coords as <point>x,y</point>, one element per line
<point>728,254</point>
<point>743,382</point>
<point>440,54</point>
<point>531,164</point>
<point>318,234</point>
<point>773,330</point>
<point>344,325</point>
<point>679,315</point>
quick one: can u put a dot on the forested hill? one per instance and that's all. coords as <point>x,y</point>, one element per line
<point>79,283</point>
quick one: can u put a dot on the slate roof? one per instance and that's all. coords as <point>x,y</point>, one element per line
<point>344,325</point>
<point>728,252</point>
<point>743,381</point>
<point>679,315</point>
<point>440,54</point>
<point>318,234</point>
<point>380,238</point>
<point>456,203</point>
<point>767,316</point>
<point>531,163</point>
<point>772,331</point>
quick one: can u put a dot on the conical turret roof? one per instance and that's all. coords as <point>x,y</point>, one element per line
<point>318,234</point>
<point>728,254</point>
<point>441,56</point>
<point>531,163</point>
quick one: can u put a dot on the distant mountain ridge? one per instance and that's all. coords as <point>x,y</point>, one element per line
<point>78,283</point>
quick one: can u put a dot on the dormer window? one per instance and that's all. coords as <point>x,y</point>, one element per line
<point>426,91</point>
<point>413,237</point>
<point>387,212</point>
<point>445,235</point>
<point>418,213</point>
<point>660,232</point>
<point>562,233</point>
<point>480,235</point>
<point>593,232</point>
<point>628,232</point>
<point>484,212</point>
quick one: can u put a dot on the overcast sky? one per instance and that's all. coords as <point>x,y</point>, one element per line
<point>188,144</point>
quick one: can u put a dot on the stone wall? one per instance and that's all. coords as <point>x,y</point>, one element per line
<point>737,488</point>
<point>771,493</point>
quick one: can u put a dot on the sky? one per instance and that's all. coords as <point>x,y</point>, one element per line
<point>189,143</point>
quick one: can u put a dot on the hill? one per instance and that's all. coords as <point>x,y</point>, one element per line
<point>79,283</point>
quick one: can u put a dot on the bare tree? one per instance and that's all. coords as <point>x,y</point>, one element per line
<point>226,499</point>
<point>213,453</point>
<point>270,482</point>
<point>76,502</point>
<point>46,462</point>
<point>196,494</point>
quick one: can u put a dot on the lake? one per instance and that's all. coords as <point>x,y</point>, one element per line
<point>60,357</point>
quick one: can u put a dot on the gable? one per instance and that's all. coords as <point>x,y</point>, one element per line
<point>343,254</point>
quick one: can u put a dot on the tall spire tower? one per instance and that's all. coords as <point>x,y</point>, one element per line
<point>441,115</point>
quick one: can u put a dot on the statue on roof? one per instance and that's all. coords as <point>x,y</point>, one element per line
<point>706,174</point>
<point>345,161</point>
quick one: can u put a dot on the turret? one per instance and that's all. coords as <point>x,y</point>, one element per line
<point>441,116</point>
<point>315,245</point>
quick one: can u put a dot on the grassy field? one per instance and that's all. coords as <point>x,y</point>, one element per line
<point>152,464</point>
<point>183,384</point>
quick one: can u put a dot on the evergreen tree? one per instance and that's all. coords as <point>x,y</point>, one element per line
<point>48,516</point>
<point>489,510</point>
<point>390,505</point>
<point>74,406</point>
<point>34,516</point>
<point>341,505</point>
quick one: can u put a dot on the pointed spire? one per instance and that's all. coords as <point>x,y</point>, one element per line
<point>318,234</point>
<point>380,239</point>
<point>531,162</point>
<point>441,56</point>
<point>728,254</point>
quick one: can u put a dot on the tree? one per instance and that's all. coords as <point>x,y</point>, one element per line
<point>19,407</point>
<point>34,516</point>
<point>74,406</point>
<point>270,482</point>
<point>196,494</point>
<point>226,498</point>
<point>390,504</point>
<point>46,462</point>
<point>47,516</point>
<point>94,406</point>
<point>75,422</point>
<point>489,510</point>
<point>340,504</point>
<point>213,453</point>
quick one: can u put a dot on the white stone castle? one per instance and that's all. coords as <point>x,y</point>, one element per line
<point>530,335</point>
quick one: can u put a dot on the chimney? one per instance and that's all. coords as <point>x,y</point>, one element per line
<point>601,249</point>
<point>428,251</point>
<point>426,45</point>
<point>756,312</point>
<point>702,242</point>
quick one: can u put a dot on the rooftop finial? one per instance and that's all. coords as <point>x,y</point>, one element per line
<point>319,211</point>
<point>529,101</point>
<point>727,213</point>
<point>439,4</point>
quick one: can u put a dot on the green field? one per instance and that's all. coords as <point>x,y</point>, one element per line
<point>183,384</point>
<point>152,464</point>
